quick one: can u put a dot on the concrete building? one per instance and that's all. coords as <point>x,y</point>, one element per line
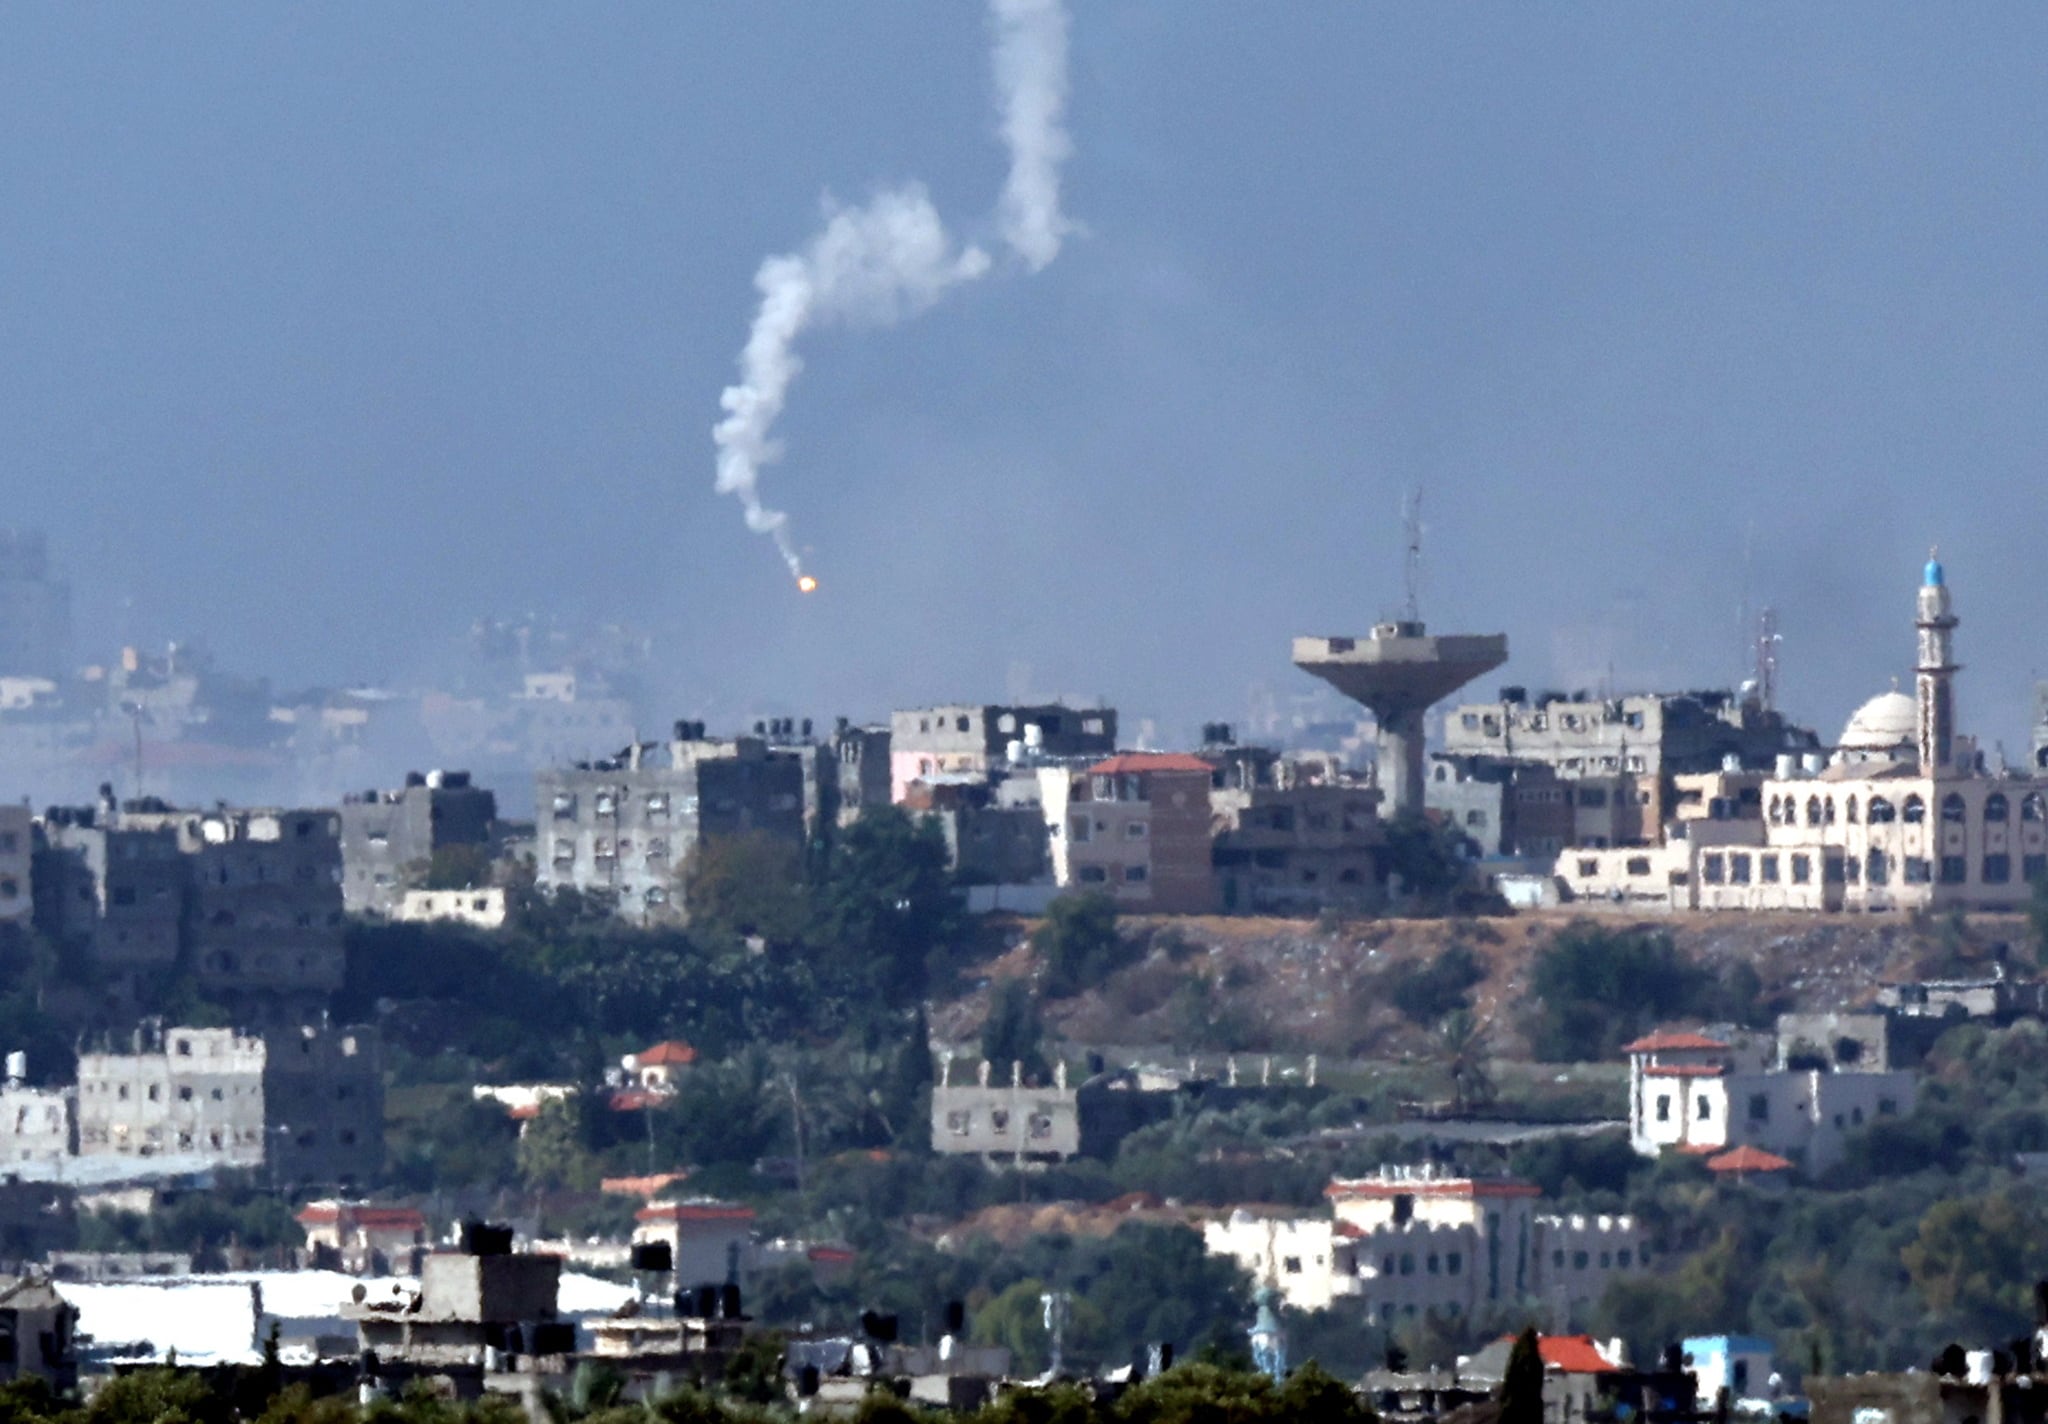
<point>1621,753</point>
<point>35,609</point>
<point>709,1242</point>
<point>1796,1095</point>
<point>17,865</point>
<point>36,1124</point>
<point>38,1334</point>
<point>988,843</point>
<point>303,1105</point>
<point>388,838</point>
<point>1410,1240</point>
<point>362,1238</point>
<point>929,742</point>
<point>116,893</point>
<point>1135,826</point>
<point>1006,1123</point>
<point>474,1309</point>
<point>1901,815</point>
<point>484,909</point>
<point>626,827</point>
<point>1520,809</point>
<point>1291,836</point>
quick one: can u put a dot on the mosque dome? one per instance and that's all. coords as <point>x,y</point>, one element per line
<point>1886,721</point>
<point>1933,576</point>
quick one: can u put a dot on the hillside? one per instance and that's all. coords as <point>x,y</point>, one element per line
<point>1262,985</point>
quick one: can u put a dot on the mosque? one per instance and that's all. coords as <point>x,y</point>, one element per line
<point>1901,814</point>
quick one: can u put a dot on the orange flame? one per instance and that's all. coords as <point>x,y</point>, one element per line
<point>806,584</point>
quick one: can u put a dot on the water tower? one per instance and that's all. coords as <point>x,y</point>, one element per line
<point>1400,672</point>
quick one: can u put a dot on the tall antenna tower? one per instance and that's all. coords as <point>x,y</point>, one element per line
<point>1411,525</point>
<point>1766,673</point>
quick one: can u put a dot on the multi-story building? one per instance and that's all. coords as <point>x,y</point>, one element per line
<point>35,1123</point>
<point>1009,1123</point>
<point>303,1105</point>
<point>17,865</point>
<point>1135,826</point>
<point>1625,749</point>
<point>975,740</point>
<point>987,843</point>
<point>35,609</point>
<point>363,1238</point>
<point>1902,815</point>
<point>1795,1095</point>
<point>709,1242</point>
<point>1290,836</point>
<point>862,758</point>
<point>1409,1241</point>
<point>626,827</point>
<point>388,838</point>
<point>116,892</point>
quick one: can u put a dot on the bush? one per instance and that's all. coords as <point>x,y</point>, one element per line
<point>1078,944</point>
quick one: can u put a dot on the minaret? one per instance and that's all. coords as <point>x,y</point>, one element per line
<point>1935,675</point>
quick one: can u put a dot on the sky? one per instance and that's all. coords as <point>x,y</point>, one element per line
<point>328,329</point>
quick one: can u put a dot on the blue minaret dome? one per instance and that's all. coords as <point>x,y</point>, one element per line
<point>1932,576</point>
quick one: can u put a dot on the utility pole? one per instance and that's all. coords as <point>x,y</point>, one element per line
<point>1411,526</point>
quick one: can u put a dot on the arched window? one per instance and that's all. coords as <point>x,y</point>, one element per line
<point>1827,813</point>
<point>1996,807</point>
<point>1777,810</point>
<point>1916,810</point>
<point>2033,808</point>
<point>1813,810</point>
<point>1850,814</point>
<point>1881,810</point>
<point>1952,808</point>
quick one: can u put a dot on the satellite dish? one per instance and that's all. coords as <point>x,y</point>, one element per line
<point>358,1293</point>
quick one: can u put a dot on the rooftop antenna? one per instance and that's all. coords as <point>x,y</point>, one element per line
<point>1411,524</point>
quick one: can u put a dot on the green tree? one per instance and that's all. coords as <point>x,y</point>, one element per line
<point>1521,1385</point>
<point>1432,859</point>
<point>1962,1262</point>
<point>551,1151</point>
<point>1425,992</point>
<point>1464,1048</point>
<point>1077,943</point>
<point>1595,988</point>
<point>1013,1032</point>
<point>458,867</point>
<point>888,913</point>
<point>750,884</point>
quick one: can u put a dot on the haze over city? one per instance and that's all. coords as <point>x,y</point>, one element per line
<point>333,331</point>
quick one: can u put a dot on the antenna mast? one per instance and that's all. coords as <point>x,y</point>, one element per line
<point>1411,523</point>
<point>1766,673</point>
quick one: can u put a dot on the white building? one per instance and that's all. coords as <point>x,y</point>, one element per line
<point>35,1123</point>
<point>710,1242</point>
<point>483,909</point>
<point>1409,1241</point>
<point>1011,1123</point>
<point>1692,1093</point>
<point>1902,816</point>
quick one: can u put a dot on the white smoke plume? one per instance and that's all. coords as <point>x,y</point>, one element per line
<point>1031,77</point>
<point>891,259</point>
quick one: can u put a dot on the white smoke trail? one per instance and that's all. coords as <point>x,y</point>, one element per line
<point>893,258</point>
<point>1031,77</point>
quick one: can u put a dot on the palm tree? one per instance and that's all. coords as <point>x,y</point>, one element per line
<point>1464,1046</point>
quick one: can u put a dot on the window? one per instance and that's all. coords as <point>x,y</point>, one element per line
<point>1638,865</point>
<point>1955,870</point>
<point>1592,796</point>
<point>2033,807</point>
<point>657,804</point>
<point>1136,874</point>
<point>1881,812</point>
<point>1759,1107</point>
<point>1454,1263</point>
<point>1664,1107</point>
<point>1580,1260</point>
<point>1092,875</point>
<point>1291,1265</point>
<point>1997,808</point>
<point>1767,868</point>
<point>1712,869</point>
<point>1876,869</point>
<point>184,1095</point>
<point>565,850</point>
<point>1040,1126</point>
<point>1407,1264</point>
<point>1624,1258</point>
<point>1738,870</point>
<point>1802,868</point>
<point>124,894</point>
<point>2033,867</point>
<point>1703,1108</point>
<point>1849,814</point>
<point>959,1121</point>
<point>1813,811</point>
<point>1997,869</point>
<point>999,1122</point>
<point>1588,867</point>
<point>1915,812</point>
<point>1134,830</point>
<point>1952,810</point>
<point>655,896</point>
<point>183,1047</point>
<point>1078,829</point>
<point>565,806</point>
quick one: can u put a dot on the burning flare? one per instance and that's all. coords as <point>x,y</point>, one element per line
<point>806,584</point>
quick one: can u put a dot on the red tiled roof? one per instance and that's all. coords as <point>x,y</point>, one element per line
<point>319,1214</point>
<point>523,1112</point>
<point>400,1218</point>
<point>1685,1070</point>
<point>1127,763</point>
<point>694,1211</point>
<point>1574,1354</point>
<point>675,1051</point>
<point>651,1185</point>
<point>1748,1159</point>
<point>638,1100</point>
<point>831,1255</point>
<point>1668,1041</point>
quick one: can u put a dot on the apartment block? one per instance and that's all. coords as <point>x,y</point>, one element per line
<point>388,838</point>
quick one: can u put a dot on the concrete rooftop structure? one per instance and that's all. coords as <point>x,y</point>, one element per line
<point>1399,671</point>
